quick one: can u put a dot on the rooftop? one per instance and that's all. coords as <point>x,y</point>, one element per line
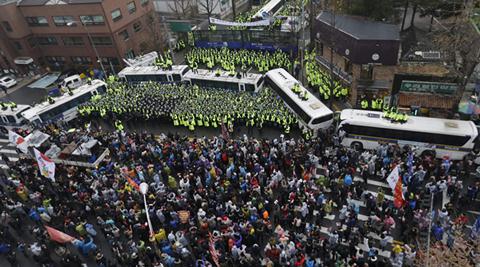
<point>359,28</point>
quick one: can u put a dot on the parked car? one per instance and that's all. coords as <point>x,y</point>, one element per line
<point>8,81</point>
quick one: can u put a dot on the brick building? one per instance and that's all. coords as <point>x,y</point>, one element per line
<point>375,59</point>
<point>49,33</point>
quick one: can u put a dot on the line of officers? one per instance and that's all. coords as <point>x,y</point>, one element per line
<point>377,103</point>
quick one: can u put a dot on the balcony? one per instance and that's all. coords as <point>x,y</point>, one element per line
<point>336,70</point>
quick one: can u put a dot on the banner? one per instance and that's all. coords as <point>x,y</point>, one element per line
<point>395,184</point>
<point>58,236</point>
<point>18,141</point>
<point>46,165</point>
<point>264,22</point>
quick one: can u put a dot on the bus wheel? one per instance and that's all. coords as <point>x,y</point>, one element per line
<point>357,146</point>
<point>428,153</point>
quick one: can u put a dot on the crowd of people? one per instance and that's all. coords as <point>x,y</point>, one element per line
<point>230,59</point>
<point>322,81</point>
<point>191,106</point>
<point>226,202</point>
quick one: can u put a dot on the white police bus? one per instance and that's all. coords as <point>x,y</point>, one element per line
<point>365,129</point>
<point>269,9</point>
<point>153,73</point>
<point>64,106</point>
<point>312,113</point>
<point>250,82</point>
<point>11,117</point>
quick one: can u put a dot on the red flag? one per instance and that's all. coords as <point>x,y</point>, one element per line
<point>398,194</point>
<point>58,236</point>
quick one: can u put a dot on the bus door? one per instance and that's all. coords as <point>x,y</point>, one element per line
<point>170,78</point>
<point>242,87</point>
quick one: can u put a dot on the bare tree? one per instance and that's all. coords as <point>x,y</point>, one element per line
<point>156,39</point>
<point>209,6</point>
<point>182,8</point>
<point>463,40</point>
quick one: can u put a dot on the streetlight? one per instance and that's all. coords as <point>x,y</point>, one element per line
<point>73,23</point>
<point>144,190</point>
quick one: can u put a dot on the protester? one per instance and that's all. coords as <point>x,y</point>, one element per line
<point>221,202</point>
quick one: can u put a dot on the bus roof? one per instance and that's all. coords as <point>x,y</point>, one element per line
<point>15,111</point>
<point>267,8</point>
<point>44,106</point>
<point>313,106</point>
<point>414,123</point>
<point>203,74</point>
<point>151,70</point>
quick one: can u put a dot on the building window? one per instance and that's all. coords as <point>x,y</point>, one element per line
<point>37,21</point>
<point>137,26</point>
<point>18,45</point>
<point>116,14</point>
<point>144,2</point>
<point>92,20</point>
<point>81,60</point>
<point>110,60</point>
<point>57,61</point>
<point>130,54</point>
<point>366,72</point>
<point>32,42</point>
<point>131,7</point>
<point>6,26</point>
<point>102,40</point>
<point>62,20</point>
<point>50,40</point>
<point>73,41</point>
<point>124,34</point>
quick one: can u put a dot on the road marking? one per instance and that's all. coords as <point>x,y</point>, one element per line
<point>361,246</point>
<point>389,197</point>
<point>10,151</point>
<point>330,217</point>
<point>372,182</point>
<point>3,166</point>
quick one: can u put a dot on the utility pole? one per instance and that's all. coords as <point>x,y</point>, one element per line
<point>302,51</point>
<point>234,9</point>
<point>332,39</point>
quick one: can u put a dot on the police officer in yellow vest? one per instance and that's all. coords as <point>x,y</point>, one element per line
<point>119,125</point>
<point>364,102</point>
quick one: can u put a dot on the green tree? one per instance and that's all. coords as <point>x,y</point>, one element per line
<point>380,10</point>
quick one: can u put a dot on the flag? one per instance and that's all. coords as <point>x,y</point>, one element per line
<point>393,178</point>
<point>58,236</point>
<point>125,174</point>
<point>46,165</point>
<point>395,184</point>
<point>18,141</point>
<point>225,134</point>
<point>213,251</point>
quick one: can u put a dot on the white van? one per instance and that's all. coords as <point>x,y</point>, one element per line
<point>71,82</point>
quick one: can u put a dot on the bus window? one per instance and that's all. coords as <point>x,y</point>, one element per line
<point>177,77</point>
<point>250,88</point>
<point>242,87</point>
<point>322,119</point>
<point>11,119</point>
<point>185,71</point>
<point>101,89</point>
